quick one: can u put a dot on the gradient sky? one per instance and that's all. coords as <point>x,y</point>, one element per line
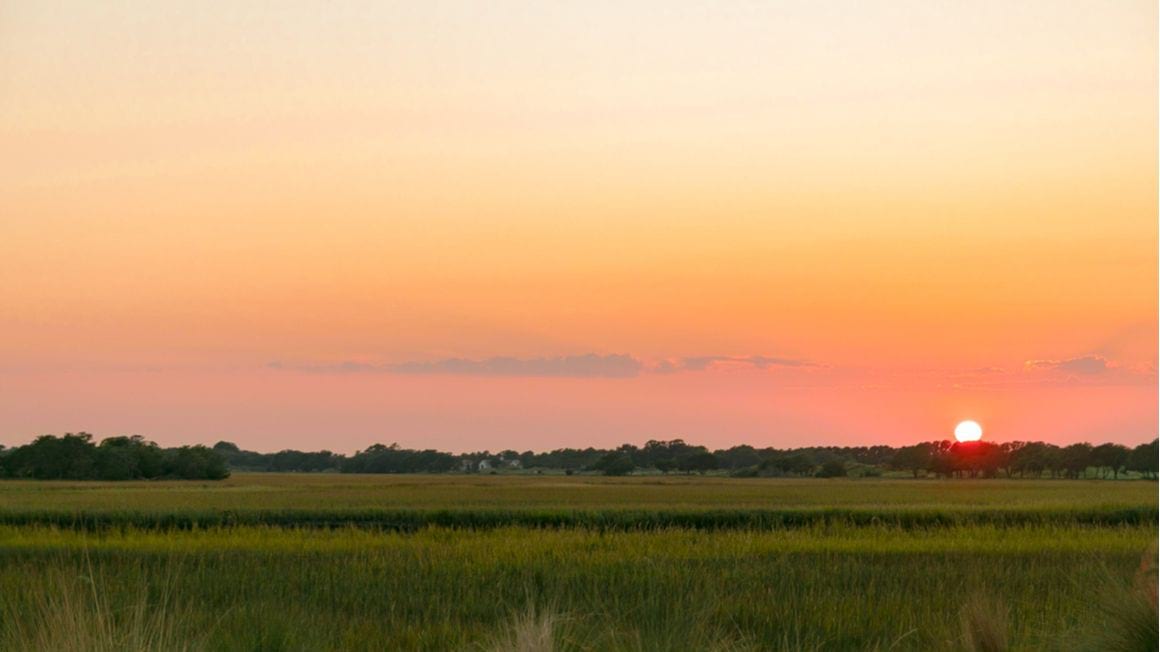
<point>523,225</point>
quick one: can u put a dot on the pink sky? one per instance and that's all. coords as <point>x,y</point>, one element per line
<point>535,225</point>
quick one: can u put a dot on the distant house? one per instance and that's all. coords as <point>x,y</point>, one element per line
<point>484,465</point>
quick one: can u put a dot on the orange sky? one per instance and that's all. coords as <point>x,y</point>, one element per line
<point>465,226</point>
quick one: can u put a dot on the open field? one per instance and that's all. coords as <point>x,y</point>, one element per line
<point>1041,576</point>
<point>271,492</point>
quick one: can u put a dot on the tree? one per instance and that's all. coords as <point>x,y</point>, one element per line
<point>699,462</point>
<point>1143,460</point>
<point>832,469</point>
<point>48,457</point>
<point>1031,458</point>
<point>738,457</point>
<point>795,463</point>
<point>913,458</point>
<point>1076,459</point>
<point>1110,458</point>
<point>615,463</point>
<point>195,463</point>
<point>393,459</point>
<point>978,458</point>
<point>664,456</point>
<point>128,458</point>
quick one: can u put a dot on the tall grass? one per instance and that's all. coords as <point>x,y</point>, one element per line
<point>1132,620</point>
<point>438,589</point>
<point>70,609</point>
<point>411,520</point>
<point>984,623</point>
<point>455,563</point>
<point>533,630</point>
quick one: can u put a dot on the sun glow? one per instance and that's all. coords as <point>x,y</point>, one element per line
<point>968,431</point>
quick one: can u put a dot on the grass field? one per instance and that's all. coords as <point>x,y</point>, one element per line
<point>1024,562</point>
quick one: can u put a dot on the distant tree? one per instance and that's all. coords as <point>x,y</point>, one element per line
<point>832,469</point>
<point>1110,458</point>
<point>663,456</point>
<point>941,460</point>
<point>913,458</point>
<point>1031,458</point>
<point>129,458</point>
<point>195,463</point>
<point>615,463</point>
<point>48,457</point>
<point>738,457</point>
<point>393,459</point>
<point>977,458</point>
<point>1053,460</point>
<point>1143,460</point>
<point>1076,459</point>
<point>698,462</point>
<point>792,463</point>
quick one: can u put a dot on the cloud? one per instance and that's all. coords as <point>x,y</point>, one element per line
<point>590,365</point>
<point>1087,365</point>
<point>704,362</point>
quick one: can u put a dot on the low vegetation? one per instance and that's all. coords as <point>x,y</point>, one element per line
<point>825,587</point>
<point>331,561</point>
<point>292,498</point>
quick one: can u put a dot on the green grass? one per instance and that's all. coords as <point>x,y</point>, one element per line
<point>845,588</point>
<point>315,492</point>
<point>894,565</point>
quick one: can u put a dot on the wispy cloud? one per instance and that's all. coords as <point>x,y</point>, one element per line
<point>705,362</point>
<point>1090,369</point>
<point>590,365</point>
<point>1087,365</point>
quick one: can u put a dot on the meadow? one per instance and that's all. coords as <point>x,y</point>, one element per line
<point>323,562</point>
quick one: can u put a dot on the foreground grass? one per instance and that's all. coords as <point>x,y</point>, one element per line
<point>819,587</point>
<point>339,562</point>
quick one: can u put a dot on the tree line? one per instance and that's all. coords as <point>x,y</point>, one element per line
<point>77,457</point>
<point>936,458</point>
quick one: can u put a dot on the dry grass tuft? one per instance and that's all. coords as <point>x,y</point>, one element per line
<point>71,612</point>
<point>531,631</point>
<point>984,624</point>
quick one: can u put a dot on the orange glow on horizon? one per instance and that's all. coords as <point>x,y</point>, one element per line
<point>434,224</point>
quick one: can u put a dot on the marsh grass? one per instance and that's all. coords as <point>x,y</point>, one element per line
<point>1131,616</point>
<point>70,609</point>
<point>862,588</point>
<point>408,563</point>
<point>292,493</point>
<point>532,630</point>
<point>985,625</point>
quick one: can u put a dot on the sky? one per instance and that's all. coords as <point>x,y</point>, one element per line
<point>529,225</point>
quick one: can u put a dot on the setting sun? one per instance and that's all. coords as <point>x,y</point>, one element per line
<point>372,325</point>
<point>968,431</point>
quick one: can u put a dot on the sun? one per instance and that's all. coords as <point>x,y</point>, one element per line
<point>968,431</point>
